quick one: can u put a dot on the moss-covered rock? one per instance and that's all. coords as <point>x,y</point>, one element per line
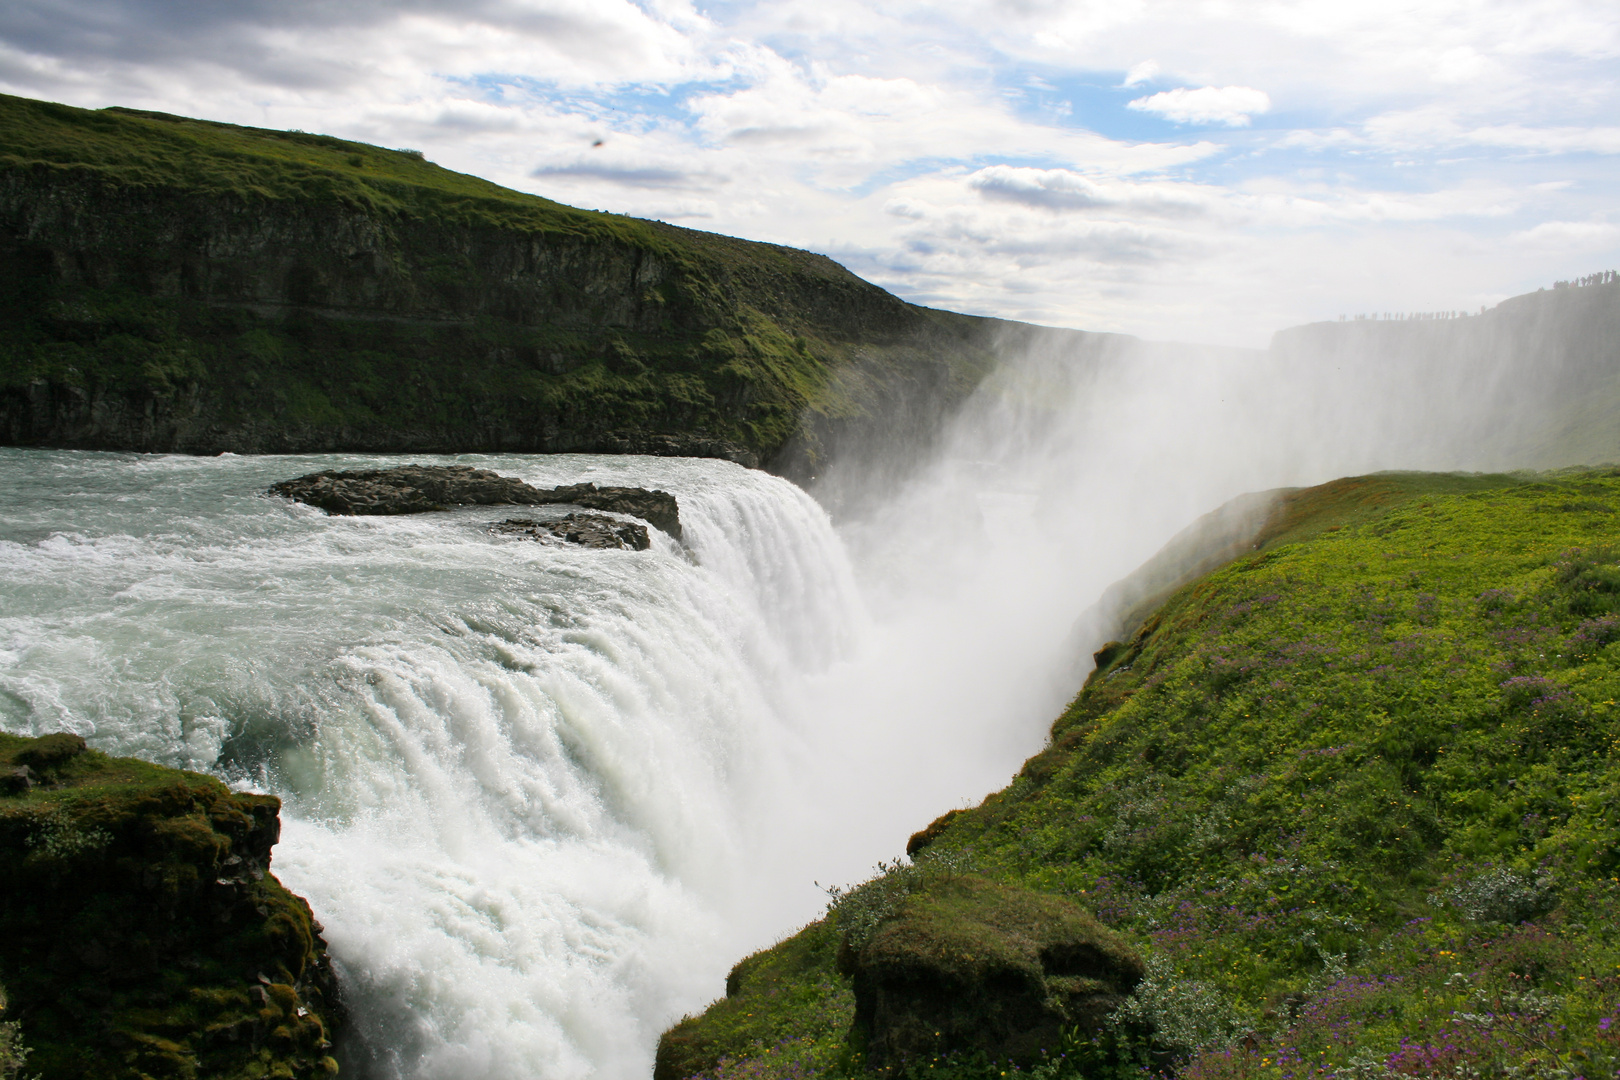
<point>13,1051</point>
<point>972,966</point>
<point>141,935</point>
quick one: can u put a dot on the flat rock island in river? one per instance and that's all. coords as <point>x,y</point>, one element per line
<point>415,489</point>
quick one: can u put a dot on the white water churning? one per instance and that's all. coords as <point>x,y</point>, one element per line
<point>526,786</point>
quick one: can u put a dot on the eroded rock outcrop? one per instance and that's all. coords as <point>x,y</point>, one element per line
<point>971,965</point>
<point>414,489</point>
<point>585,530</point>
<point>405,489</point>
<point>657,508</point>
<point>141,933</point>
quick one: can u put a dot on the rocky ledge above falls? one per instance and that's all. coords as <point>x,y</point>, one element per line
<point>141,933</point>
<point>583,530</point>
<point>415,489</point>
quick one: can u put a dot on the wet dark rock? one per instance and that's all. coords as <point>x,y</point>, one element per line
<point>973,966</point>
<point>414,489</point>
<point>586,530</point>
<point>404,489</point>
<point>657,508</point>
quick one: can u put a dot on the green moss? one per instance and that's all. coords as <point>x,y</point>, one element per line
<point>785,1005</point>
<point>1353,793</point>
<point>139,932</point>
<point>968,927</point>
<point>964,965</point>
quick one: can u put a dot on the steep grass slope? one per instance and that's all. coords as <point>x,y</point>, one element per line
<point>1352,797</point>
<point>177,284</point>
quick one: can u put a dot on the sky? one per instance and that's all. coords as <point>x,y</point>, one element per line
<point>1195,170</point>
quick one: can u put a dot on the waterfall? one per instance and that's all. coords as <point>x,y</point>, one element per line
<point>525,785</point>
<point>543,797</point>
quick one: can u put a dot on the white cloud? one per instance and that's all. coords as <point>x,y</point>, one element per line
<point>1337,138</point>
<point>1563,235</point>
<point>888,132</point>
<point>1229,105</point>
<point>1458,125</point>
<point>1461,64</point>
<point>1066,190</point>
<point>1141,73</point>
<point>1546,140</point>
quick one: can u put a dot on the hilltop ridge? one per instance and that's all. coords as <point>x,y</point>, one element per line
<point>177,284</point>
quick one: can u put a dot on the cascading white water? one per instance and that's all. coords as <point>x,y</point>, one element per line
<point>519,778</point>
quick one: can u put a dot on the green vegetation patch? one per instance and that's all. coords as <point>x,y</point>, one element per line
<point>785,1013</point>
<point>1352,796</point>
<point>140,935</point>
<point>13,1051</point>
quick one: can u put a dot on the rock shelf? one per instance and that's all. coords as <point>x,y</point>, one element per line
<point>415,489</point>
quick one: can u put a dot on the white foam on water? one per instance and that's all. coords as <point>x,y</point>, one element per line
<point>523,783</point>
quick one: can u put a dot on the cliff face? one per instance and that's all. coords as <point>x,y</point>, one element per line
<point>141,934</point>
<point>174,285</point>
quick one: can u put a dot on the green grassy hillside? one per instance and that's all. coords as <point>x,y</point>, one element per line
<point>1352,797</point>
<point>169,283</point>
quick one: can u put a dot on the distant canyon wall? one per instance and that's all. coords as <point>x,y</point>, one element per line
<point>1531,383</point>
<point>180,313</point>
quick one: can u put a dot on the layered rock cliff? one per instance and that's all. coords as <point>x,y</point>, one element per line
<point>178,285</point>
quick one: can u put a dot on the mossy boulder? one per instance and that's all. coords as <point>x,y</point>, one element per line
<point>141,934</point>
<point>48,754</point>
<point>972,966</point>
